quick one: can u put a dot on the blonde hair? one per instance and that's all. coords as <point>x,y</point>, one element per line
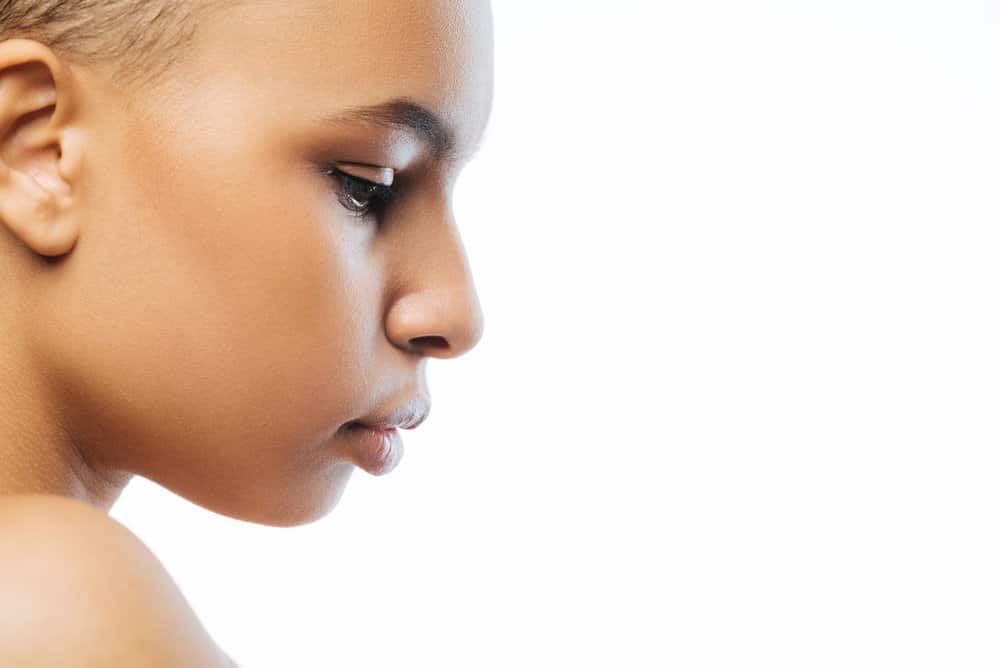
<point>138,39</point>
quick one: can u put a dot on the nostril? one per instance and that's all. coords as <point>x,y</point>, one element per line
<point>433,342</point>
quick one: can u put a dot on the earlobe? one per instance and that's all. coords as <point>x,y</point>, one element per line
<point>33,213</point>
<point>35,100</point>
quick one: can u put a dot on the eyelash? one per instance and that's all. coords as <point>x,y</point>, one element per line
<point>363,198</point>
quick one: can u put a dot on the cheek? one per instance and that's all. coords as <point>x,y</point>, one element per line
<point>280,302</point>
<point>223,328</point>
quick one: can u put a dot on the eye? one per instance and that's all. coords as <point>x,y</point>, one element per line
<point>361,197</point>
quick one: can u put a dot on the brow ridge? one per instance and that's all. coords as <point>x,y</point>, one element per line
<point>403,114</point>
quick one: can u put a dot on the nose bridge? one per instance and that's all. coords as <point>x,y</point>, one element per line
<point>435,307</point>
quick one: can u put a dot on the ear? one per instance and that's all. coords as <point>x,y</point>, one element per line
<point>39,147</point>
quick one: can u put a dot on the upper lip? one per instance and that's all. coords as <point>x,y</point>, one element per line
<point>408,416</point>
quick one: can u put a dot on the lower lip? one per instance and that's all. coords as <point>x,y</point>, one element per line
<point>377,451</point>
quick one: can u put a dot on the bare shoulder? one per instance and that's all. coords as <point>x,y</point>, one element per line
<point>80,589</point>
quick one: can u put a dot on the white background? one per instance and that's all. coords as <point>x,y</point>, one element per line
<point>737,401</point>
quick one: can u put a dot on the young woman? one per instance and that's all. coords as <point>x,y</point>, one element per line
<point>226,253</point>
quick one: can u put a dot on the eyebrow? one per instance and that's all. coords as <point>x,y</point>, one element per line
<point>406,115</point>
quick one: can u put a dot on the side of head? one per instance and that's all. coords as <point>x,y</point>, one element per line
<point>202,285</point>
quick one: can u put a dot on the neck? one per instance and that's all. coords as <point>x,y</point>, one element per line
<point>38,454</point>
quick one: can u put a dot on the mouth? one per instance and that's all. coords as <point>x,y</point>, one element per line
<point>376,444</point>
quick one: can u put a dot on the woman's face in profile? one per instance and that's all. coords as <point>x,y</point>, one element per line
<point>240,291</point>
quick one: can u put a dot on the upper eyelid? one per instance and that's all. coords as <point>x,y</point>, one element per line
<point>380,191</point>
<point>384,176</point>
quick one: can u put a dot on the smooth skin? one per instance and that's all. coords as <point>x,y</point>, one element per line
<point>186,296</point>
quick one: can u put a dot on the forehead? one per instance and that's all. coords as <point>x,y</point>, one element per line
<point>316,56</point>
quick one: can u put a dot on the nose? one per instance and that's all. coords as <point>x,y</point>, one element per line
<point>438,314</point>
<point>442,322</point>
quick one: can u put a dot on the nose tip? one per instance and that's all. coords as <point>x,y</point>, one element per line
<point>446,322</point>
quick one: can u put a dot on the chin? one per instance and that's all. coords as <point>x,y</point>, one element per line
<point>308,502</point>
<point>302,507</point>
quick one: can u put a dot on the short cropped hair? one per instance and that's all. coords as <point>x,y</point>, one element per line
<point>137,39</point>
